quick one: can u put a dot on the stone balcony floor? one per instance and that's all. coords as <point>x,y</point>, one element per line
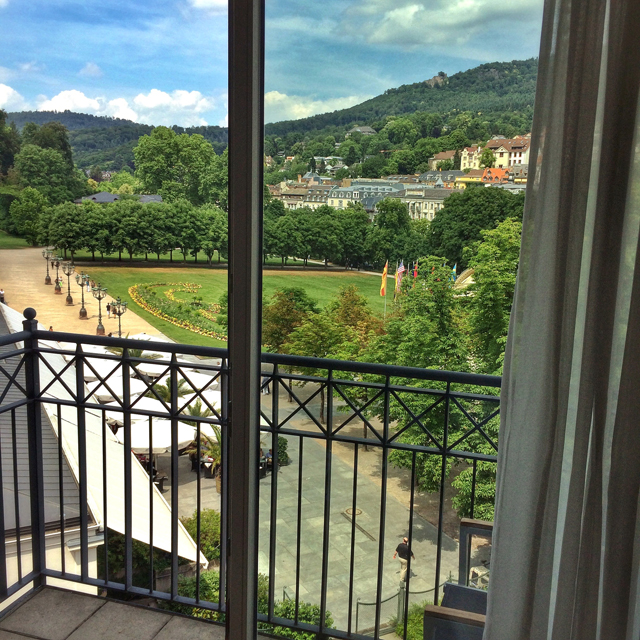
<point>56,614</point>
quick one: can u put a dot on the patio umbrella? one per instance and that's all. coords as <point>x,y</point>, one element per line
<point>103,395</point>
<point>154,369</point>
<point>146,336</point>
<point>161,432</point>
<point>142,404</point>
<point>102,367</point>
<point>214,398</point>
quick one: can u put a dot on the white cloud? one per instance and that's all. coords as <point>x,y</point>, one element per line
<point>184,108</point>
<point>445,23</point>
<point>280,106</point>
<point>11,100</point>
<point>210,5</point>
<point>30,67</point>
<point>91,70</point>
<point>72,100</point>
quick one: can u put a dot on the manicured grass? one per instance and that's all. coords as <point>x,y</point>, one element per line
<point>320,286</point>
<point>11,242</point>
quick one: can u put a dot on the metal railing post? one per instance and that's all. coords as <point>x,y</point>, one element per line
<point>34,431</point>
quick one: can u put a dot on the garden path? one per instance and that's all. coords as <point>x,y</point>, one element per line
<point>22,273</point>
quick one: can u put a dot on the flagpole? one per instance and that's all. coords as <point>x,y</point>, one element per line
<point>384,317</point>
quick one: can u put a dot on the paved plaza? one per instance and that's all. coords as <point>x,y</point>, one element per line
<point>22,273</point>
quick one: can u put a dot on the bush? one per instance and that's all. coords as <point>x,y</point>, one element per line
<point>415,622</point>
<point>283,456</point>
<point>210,591</point>
<point>209,531</point>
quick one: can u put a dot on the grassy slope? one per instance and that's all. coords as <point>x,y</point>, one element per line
<point>11,242</point>
<point>320,286</point>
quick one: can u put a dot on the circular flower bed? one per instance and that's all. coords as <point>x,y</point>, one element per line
<point>193,316</point>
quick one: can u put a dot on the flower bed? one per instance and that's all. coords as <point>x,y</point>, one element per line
<point>180,313</point>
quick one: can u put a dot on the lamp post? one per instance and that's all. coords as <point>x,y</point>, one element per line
<point>81,280</point>
<point>99,293</point>
<point>47,255</point>
<point>68,268</point>
<point>119,308</point>
<point>55,262</point>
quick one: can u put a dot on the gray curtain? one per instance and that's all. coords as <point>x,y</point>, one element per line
<point>566,552</point>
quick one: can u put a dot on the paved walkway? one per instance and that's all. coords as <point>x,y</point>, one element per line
<point>22,273</point>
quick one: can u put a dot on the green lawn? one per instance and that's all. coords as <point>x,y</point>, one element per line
<point>319,285</point>
<point>11,242</point>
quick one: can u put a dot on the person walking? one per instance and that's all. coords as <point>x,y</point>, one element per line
<point>2,296</point>
<point>403,551</point>
<point>108,310</point>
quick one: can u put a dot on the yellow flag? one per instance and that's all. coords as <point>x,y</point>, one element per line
<point>383,285</point>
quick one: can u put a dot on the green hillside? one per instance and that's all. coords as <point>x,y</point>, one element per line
<point>107,142</point>
<point>492,87</point>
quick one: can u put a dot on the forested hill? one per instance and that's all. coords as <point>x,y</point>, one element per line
<point>105,141</point>
<point>492,87</point>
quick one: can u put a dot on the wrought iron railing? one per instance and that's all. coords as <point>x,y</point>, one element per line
<point>352,444</point>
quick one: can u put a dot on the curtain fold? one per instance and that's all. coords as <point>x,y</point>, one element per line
<point>567,532</point>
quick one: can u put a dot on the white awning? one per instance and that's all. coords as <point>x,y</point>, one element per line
<point>114,470</point>
<point>161,434</point>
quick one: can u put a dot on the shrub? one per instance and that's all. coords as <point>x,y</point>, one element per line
<point>283,456</point>
<point>209,531</point>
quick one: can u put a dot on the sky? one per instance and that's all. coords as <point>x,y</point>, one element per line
<point>164,62</point>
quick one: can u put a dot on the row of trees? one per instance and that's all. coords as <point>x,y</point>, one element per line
<point>125,226</point>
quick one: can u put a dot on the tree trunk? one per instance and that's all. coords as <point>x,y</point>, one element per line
<point>146,257</point>
<point>158,254</point>
<point>119,256</point>
<point>65,253</point>
<point>195,257</point>
<point>93,256</point>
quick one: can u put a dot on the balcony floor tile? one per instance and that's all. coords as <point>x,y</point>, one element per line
<point>56,614</point>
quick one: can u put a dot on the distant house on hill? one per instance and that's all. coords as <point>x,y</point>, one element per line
<point>104,197</point>
<point>440,157</point>
<point>510,151</point>
<point>470,157</point>
<point>365,131</point>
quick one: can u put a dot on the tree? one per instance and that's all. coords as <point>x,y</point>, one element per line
<point>52,135</point>
<point>288,308</point>
<point>495,265</point>
<point>445,165</point>
<point>47,171</point>
<point>390,228</point>
<point>325,234</point>
<point>487,158</point>
<point>465,215</point>
<point>26,211</point>
<point>9,142</point>
<point>176,166</point>
<point>355,227</point>
<point>67,229</point>
<point>216,233</point>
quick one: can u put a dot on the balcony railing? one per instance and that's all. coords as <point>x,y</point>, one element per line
<point>353,446</point>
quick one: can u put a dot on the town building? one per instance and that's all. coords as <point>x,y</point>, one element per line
<point>441,157</point>
<point>339,197</point>
<point>470,157</point>
<point>365,131</point>
<point>441,179</point>
<point>510,151</point>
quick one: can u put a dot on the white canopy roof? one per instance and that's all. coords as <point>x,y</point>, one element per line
<point>114,471</point>
<point>102,393</point>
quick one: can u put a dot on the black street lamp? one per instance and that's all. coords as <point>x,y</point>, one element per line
<point>55,262</point>
<point>47,255</point>
<point>99,293</point>
<point>68,269</point>
<point>81,279</point>
<point>119,308</point>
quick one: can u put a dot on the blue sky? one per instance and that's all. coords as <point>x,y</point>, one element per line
<point>165,62</point>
